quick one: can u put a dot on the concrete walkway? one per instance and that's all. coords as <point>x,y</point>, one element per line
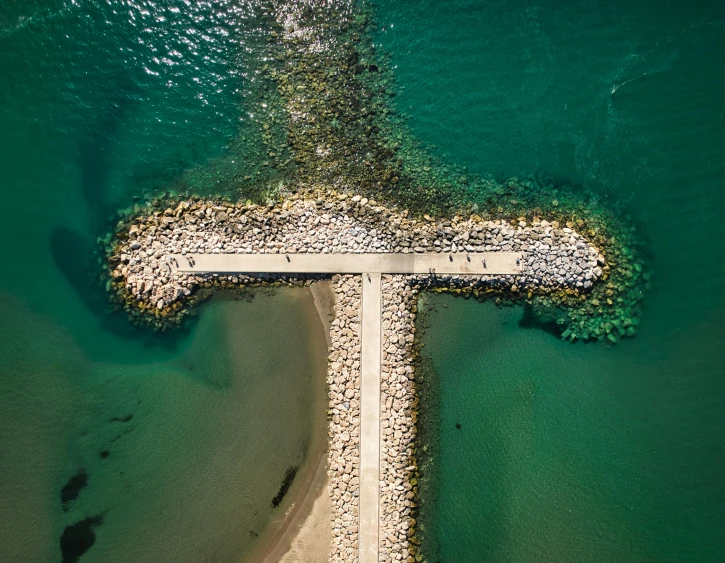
<point>370,367</point>
<point>370,266</point>
<point>475,263</point>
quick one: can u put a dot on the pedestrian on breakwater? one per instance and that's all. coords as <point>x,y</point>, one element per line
<point>369,278</point>
<point>286,256</point>
<point>484,263</point>
<point>450,257</point>
<point>468,258</point>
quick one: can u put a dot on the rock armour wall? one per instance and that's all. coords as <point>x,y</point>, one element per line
<point>343,383</point>
<point>554,256</point>
<point>397,470</point>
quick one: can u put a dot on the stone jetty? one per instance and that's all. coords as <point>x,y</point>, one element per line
<point>146,274</point>
<point>555,256</point>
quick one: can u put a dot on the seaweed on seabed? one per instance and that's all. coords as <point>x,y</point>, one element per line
<point>78,538</point>
<point>289,476</point>
<point>425,451</point>
<point>73,488</point>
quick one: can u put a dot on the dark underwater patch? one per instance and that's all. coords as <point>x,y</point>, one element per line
<point>289,476</point>
<point>78,538</point>
<point>73,488</point>
<point>121,435</point>
<point>529,320</point>
<point>126,418</point>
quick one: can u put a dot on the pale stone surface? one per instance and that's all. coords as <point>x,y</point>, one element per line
<point>479,264</point>
<point>370,417</point>
<point>397,420</point>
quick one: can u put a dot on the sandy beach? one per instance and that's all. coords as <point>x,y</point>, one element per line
<point>306,535</point>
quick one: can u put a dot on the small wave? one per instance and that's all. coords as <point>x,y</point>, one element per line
<point>618,86</point>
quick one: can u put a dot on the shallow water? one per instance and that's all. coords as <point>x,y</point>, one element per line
<point>573,452</point>
<point>578,452</point>
<point>183,455</point>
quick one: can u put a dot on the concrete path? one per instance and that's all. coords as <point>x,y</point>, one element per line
<point>370,266</point>
<point>475,263</point>
<point>370,367</point>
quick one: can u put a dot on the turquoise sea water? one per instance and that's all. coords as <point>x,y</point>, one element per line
<point>565,452</point>
<point>185,439</point>
<point>580,452</point>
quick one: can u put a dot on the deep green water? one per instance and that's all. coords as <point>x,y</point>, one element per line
<point>580,452</point>
<point>565,452</point>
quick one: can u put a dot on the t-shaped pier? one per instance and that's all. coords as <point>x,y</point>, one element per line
<point>370,266</point>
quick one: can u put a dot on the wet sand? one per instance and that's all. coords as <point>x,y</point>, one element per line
<point>325,304</point>
<point>306,535</point>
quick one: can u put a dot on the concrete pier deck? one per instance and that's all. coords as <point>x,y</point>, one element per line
<point>370,266</point>
<point>370,367</point>
<point>459,263</point>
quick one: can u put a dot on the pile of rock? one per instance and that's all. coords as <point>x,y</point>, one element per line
<point>343,382</point>
<point>555,256</point>
<point>398,488</point>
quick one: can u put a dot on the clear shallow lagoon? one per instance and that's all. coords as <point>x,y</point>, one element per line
<point>578,452</point>
<point>573,452</point>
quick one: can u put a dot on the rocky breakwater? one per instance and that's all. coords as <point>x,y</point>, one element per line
<point>343,382</point>
<point>398,487</point>
<point>556,257</point>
